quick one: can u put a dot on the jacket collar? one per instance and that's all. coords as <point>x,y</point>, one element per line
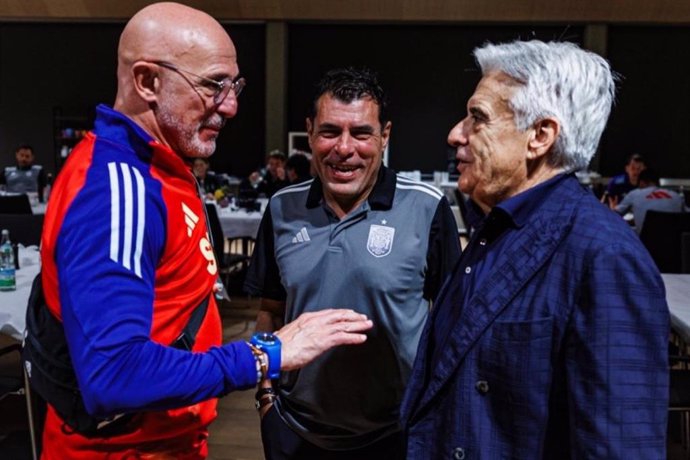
<point>519,208</point>
<point>120,129</point>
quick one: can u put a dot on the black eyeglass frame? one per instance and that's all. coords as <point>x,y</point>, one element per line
<point>223,88</point>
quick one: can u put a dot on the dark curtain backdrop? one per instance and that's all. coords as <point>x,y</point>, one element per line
<point>72,67</point>
<point>652,113</point>
<point>427,71</point>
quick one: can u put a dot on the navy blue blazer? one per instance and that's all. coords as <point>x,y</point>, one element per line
<point>561,353</point>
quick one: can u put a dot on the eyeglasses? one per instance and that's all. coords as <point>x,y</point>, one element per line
<point>219,89</point>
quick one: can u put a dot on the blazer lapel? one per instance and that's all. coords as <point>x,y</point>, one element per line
<point>533,246</point>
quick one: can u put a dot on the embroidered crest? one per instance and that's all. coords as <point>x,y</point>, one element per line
<point>380,240</point>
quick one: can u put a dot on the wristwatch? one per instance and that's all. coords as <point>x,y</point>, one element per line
<point>269,343</point>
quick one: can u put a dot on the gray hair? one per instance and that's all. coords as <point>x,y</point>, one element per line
<point>560,80</point>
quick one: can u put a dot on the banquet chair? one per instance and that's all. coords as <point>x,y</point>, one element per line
<point>685,252</point>
<point>232,262</point>
<point>679,397</point>
<point>17,407</point>
<point>662,236</point>
<point>24,229</point>
<point>15,204</point>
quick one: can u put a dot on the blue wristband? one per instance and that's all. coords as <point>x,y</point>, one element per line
<point>269,343</point>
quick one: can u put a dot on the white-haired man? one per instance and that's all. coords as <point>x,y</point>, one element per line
<point>550,338</point>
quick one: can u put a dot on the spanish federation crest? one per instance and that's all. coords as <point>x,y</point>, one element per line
<point>380,240</point>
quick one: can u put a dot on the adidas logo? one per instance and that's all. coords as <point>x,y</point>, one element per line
<point>190,219</point>
<point>301,236</point>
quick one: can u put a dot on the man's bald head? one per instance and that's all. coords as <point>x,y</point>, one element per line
<point>166,31</point>
<point>167,56</point>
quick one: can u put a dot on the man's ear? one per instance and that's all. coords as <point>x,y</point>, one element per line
<point>543,136</point>
<point>310,129</point>
<point>146,81</point>
<point>386,134</point>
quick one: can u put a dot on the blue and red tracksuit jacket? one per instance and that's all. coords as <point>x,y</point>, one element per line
<point>126,259</point>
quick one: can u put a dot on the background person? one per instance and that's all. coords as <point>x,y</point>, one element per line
<point>550,339</point>
<point>24,176</point>
<point>649,196</point>
<point>208,182</point>
<point>298,168</point>
<point>126,257</point>
<point>623,183</point>
<point>271,178</point>
<point>360,237</point>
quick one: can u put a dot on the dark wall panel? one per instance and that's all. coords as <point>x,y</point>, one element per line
<point>241,145</point>
<point>43,66</point>
<point>652,114</point>
<point>72,66</point>
<point>427,71</point>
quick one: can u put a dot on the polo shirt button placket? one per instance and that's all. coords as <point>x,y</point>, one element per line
<point>459,453</point>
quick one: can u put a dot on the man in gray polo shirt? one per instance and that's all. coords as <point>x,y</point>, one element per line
<point>360,237</point>
<point>25,176</point>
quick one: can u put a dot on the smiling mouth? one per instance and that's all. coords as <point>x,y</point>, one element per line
<point>342,168</point>
<point>342,172</point>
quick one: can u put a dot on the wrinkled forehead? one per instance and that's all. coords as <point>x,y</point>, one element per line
<point>496,89</point>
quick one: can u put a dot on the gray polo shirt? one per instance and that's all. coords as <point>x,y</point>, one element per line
<point>386,259</point>
<point>22,180</point>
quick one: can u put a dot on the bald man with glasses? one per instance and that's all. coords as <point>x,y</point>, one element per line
<point>128,268</point>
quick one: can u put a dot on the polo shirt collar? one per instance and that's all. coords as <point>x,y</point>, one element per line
<point>381,196</point>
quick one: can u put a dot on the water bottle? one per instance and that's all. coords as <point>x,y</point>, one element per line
<point>8,281</point>
<point>47,188</point>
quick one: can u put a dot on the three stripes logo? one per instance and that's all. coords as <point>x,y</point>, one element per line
<point>190,219</point>
<point>127,215</point>
<point>302,236</point>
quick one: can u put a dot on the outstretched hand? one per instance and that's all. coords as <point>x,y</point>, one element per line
<point>311,334</point>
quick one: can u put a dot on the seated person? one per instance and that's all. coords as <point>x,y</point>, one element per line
<point>208,182</point>
<point>298,168</point>
<point>623,183</point>
<point>271,178</point>
<point>648,196</point>
<point>25,176</point>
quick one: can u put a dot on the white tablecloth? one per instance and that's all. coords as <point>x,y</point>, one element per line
<point>238,223</point>
<point>13,303</point>
<point>678,299</point>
